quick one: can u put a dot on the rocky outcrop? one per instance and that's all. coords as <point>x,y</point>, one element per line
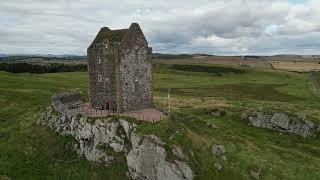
<point>147,161</point>
<point>218,166</point>
<point>297,124</point>
<point>218,113</point>
<point>101,141</point>
<point>93,140</point>
<point>255,174</point>
<point>219,150</point>
<point>177,151</point>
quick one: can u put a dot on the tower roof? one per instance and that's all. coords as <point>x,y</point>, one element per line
<point>111,35</point>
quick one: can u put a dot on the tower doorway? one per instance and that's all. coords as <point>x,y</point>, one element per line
<point>106,105</point>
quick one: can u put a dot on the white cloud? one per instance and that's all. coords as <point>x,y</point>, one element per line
<point>204,26</point>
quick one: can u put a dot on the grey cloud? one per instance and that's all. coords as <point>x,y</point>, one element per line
<point>215,27</point>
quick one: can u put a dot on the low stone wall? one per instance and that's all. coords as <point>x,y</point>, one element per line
<point>104,139</point>
<point>66,101</point>
<point>296,124</point>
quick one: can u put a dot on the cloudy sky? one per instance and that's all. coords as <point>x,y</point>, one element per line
<point>224,27</point>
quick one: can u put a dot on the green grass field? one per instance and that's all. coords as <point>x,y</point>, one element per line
<point>31,152</point>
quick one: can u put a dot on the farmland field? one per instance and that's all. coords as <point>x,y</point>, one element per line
<point>27,150</point>
<point>219,60</point>
<point>296,66</point>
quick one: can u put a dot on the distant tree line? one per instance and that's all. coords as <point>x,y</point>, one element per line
<point>13,58</point>
<point>49,58</point>
<point>171,56</point>
<point>40,69</point>
<point>215,70</point>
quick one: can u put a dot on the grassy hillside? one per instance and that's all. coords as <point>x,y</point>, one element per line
<point>30,151</point>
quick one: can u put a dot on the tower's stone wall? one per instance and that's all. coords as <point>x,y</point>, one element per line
<point>104,89</point>
<point>123,76</point>
<point>136,71</point>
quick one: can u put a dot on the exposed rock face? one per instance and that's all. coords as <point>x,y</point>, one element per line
<point>211,125</point>
<point>145,156</point>
<point>218,166</point>
<point>255,174</point>
<point>92,139</point>
<point>297,124</point>
<point>148,162</point>
<point>177,151</point>
<point>218,150</point>
<point>218,113</point>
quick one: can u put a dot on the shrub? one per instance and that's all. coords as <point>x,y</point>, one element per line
<point>22,67</point>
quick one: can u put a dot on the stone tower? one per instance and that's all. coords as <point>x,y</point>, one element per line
<point>120,70</point>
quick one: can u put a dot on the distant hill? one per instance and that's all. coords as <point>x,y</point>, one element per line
<point>178,56</point>
<point>70,57</point>
<point>296,56</point>
<point>196,57</point>
<point>51,58</point>
<point>42,55</point>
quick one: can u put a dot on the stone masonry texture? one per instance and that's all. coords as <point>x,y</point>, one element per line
<point>120,70</point>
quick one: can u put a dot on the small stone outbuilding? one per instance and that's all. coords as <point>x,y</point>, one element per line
<point>120,70</point>
<point>66,101</point>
